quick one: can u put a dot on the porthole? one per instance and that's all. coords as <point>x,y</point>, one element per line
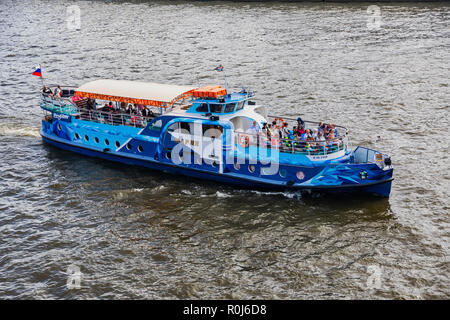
<point>59,127</point>
<point>117,144</point>
<point>96,140</point>
<point>107,142</point>
<point>251,168</point>
<point>77,136</point>
<point>129,146</point>
<point>86,137</point>
<point>283,173</point>
<point>300,175</point>
<point>168,155</point>
<point>268,171</point>
<point>237,166</point>
<point>140,149</point>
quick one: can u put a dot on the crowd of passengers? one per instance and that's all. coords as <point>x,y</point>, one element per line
<point>112,112</point>
<point>123,113</point>
<point>278,132</point>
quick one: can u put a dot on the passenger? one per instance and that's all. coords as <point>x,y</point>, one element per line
<point>145,112</point>
<point>330,134</point>
<point>46,90</point>
<point>110,106</point>
<point>58,92</point>
<point>274,124</point>
<point>254,129</point>
<point>300,123</point>
<point>315,133</point>
<point>298,143</point>
<point>300,131</point>
<point>322,126</point>
<point>309,135</point>
<point>284,133</point>
<point>269,131</point>
<point>264,128</point>
<point>91,104</point>
<point>110,115</point>
<point>335,131</point>
<point>321,139</point>
<point>129,108</point>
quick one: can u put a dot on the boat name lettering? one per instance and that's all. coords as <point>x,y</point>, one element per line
<point>60,116</point>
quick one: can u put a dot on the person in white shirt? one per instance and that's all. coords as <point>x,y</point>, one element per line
<point>58,92</point>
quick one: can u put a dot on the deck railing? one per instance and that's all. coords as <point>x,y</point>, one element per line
<point>284,144</point>
<point>66,106</point>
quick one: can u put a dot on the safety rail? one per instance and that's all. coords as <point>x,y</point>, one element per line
<point>66,106</point>
<point>287,145</point>
<point>307,122</point>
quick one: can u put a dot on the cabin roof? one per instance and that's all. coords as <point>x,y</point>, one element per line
<point>146,93</point>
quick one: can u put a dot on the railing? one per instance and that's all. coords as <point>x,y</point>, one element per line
<point>308,124</point>
<point>113,118</point>
<point>66,106</point>
<point>312,147</point>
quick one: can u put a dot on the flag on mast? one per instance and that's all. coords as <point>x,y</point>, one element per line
<point>38,72</point>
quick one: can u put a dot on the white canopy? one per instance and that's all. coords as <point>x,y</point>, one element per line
<point>146,93</point>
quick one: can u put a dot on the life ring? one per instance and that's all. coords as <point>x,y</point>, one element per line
<point>244,140</point>
<point>274,141</point>
<point>134,119</point>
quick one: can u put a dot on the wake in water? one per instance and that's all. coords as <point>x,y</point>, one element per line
<point>18,131</point>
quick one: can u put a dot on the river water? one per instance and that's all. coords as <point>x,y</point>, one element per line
<point>135,233</point>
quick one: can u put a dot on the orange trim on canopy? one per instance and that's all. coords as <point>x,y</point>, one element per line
<point>144,102</point>
<point>209,92</point>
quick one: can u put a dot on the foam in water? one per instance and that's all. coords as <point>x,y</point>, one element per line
<point>14,130</point>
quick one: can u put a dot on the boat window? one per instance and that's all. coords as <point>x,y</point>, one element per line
<point>202,108</point>
<point>229,107</point>
<point>212,131</point>
<point>185,126</point>
<point>215,108</point>
<point>240,105</point>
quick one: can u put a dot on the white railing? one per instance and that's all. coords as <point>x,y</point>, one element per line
<point>284,144</point>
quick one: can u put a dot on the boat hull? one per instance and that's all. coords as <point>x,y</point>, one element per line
<point>379,188</point>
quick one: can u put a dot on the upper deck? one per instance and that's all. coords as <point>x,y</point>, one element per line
<point>233,107</point>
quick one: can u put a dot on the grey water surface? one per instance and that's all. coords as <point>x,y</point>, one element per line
<point>136,233</point>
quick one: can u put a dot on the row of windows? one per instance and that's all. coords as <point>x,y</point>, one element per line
<point>251,168</point>
<point>283,173</point>
<point>219,108</point>
<point>128,145</point>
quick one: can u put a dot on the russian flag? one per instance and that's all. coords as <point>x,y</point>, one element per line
<point>37,72</point>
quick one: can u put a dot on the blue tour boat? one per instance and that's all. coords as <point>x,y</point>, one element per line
<point>209,133</point>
